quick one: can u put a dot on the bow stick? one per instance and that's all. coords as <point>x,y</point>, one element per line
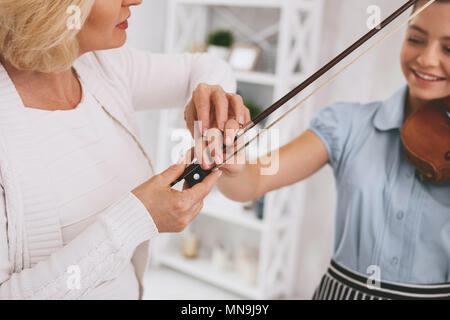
<point>194,174</point>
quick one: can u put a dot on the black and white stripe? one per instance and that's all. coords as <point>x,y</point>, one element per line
<point>341,283</point>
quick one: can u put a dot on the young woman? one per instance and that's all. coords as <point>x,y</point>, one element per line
<point>386,217</point>
<point>78,203</point>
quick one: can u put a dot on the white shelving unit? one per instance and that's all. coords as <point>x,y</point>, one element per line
<point>297,32</point>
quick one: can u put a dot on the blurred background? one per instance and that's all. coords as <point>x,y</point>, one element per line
<point>279,246</point>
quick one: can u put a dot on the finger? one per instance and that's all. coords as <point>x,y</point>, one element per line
<point>207,158</point>
<point>237,104</point>
<point>202,189</point>
<point>195,210</point>
<point>197,129</point>
<point>215,144</point>
<point>190,115</point>
<point>200,145</point>
<point>248,116</point>
<point>241,155</point>
<point>198,208</point>
<point>236,153</point>
<point>202,154</point>
<point>201,99</point>
<point>191,214</point>
<point>173,173</point>
<point>188,156</point>
<point>220,102</point>
<point>231,128</point>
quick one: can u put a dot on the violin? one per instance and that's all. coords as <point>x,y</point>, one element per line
<point>425,159</point>
<point>426,140</point>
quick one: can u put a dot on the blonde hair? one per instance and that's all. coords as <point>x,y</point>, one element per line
<point>35,34</point>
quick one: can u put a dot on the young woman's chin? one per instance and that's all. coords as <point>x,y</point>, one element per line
<point>425,95</point>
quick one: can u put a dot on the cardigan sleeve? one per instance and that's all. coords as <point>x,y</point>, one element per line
<point>167,80</point>
<point>96,255</point>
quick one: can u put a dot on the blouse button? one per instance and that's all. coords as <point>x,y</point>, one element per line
<point>394,261</point>
<point>400,215</point>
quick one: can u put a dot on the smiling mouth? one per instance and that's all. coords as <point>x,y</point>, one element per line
<point>427,77</point>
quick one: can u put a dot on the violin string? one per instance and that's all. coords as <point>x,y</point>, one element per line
<point>328,81</point>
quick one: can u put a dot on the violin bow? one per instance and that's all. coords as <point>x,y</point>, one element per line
<point>194,174</point>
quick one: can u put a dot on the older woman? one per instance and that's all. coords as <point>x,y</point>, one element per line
<point>79,204</point>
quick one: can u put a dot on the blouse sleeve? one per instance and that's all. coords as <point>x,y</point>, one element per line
<point>167,80</point>
<point>333,125</point>
<point>96,255</point>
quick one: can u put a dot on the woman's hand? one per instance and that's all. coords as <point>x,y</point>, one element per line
<point>170,209</point>
<point>230,164</point>
<point>214,107</point>
<point>214,118</point>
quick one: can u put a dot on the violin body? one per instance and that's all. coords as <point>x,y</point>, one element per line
<point>426,141</point>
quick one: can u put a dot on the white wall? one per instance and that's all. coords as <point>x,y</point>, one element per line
<point>147,25</point>
<point>375,77</point>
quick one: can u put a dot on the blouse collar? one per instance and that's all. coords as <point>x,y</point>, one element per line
<point>391,113</point>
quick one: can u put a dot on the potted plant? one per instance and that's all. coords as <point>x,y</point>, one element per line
<point>219,43</point>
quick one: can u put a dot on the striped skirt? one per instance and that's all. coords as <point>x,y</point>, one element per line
<point>341,283</point>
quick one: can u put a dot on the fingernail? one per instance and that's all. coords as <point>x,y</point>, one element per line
<point>181,160</point>
<point>218,160</point>
<point>229,140</point>
<point>222,126</point>
<point>241,119</point>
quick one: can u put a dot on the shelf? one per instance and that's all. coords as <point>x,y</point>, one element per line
<point>263,78</point>
<point>217,206</point>
<point>202,269</point>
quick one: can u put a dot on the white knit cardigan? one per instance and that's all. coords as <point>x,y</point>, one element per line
<point>122,80</point>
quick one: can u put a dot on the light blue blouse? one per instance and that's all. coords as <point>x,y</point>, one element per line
<point>385,216</point>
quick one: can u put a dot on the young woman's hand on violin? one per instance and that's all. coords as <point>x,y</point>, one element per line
<point>214,118</point>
